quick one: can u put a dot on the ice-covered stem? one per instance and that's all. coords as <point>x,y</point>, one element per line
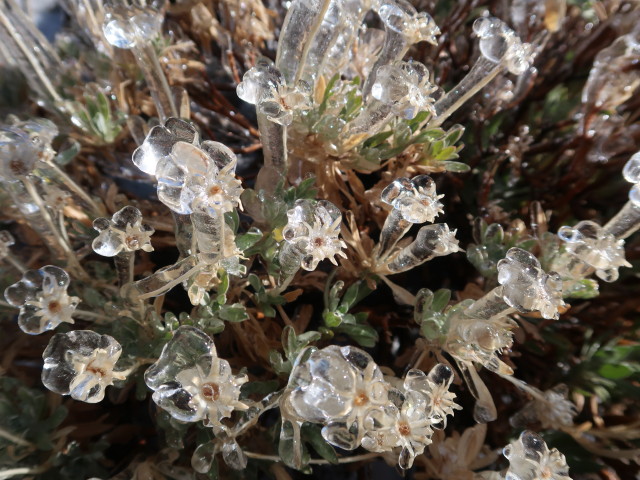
<point>524,287</point>
<point>401,89</point>
<point>500,49</point>
<point>414,201</point>
<point>276,102</point>
<point>627,220</point>
<point>6,241</point>
<point>29,49</point>
<point>432,241</point>
<point>301,23</point>
<point>331,39</point>
<point>163,280</point>
<point>484,410</point>
<point>134,27</point>
<point>403,27</point>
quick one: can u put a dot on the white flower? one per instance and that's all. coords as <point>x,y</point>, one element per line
<point>314,229</point>
<point>414,199</point>
<point>530,459</point>
<point>43,299</point>
<point>214,393</point>
<point>80,364</point>
<point>435,387</point>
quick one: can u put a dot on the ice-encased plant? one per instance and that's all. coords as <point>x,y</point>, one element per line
<point>42,298</point>
<point>81,364</point>
<point>191,382</point>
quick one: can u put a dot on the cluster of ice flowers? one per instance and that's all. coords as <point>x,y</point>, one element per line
<point>42,298</point>
<point>500,44</point>
<point>312,234</point>
<point>343,389</point>
<point>191,382</point>
<point>81,364</point>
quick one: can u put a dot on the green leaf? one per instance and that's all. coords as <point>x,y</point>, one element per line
<point>616,372</point>
<point>312,434</point>
<point>365,335</point>
<point>377,139</point>
<point>233,313</point>
<point>331,319</point>
<point>456,167</point>
<point>440,299</point>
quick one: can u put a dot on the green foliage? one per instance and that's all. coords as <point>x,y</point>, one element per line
<point>338,320</point>
<point>293,344</point>
<point>95,118</point>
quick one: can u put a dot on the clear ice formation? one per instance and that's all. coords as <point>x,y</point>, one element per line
<point>42,298</point>
<point>343,389</point>
<point>627,220</point>
<point>530,458</point>
<point>191,382</point>
<point>81,364</point>
<point>124,232</point>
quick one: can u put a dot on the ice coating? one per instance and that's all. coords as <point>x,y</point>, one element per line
<point>123,232</point>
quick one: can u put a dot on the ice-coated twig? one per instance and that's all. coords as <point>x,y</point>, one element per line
<point>16,30</point>
<point>627,221</point>
<point>432,241</point>
<point>6,241</point>
<point>302,21</point>
<point>403,27</point>
<point>134,27</point>
<point>500,49</point>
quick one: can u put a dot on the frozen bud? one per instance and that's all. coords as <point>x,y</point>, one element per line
<point>199,177</point>
<point>80,363</point>
<point>500,44</point>
<point>126,26</point>
<point>6,241</point>
<point>431,241</point>
<point>338,386</point>
<point>264,86</point>
<point>589,243</point>
<point>405,87</point>
<point>530,459</point>
<point>313,228</point>
<point>42,298</point>
<point>435,387</point>
<point>22,144</point>
<point>125,232</point>
<point>401,17</point>
<point>526,287</point>
<point>160,141</point>
<point>191,382</point>
<point>415,199</point>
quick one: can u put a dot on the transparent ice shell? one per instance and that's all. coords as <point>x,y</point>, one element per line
<point>415,199</point>
<point>191,383</point>
<point>530,459</point>
<point>124,232</point>
<point>42,298</point>
<point>80,363</point>
<point>125,26</point>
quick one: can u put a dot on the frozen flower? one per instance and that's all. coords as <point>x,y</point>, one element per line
<point>526,287</point>
<point>6,241</point>
<point>594,247</point>
<point>435,388</point>
<point>500,44</point>
<point>339,386</point>
<point>190,381</point>
<point>125,232</point>
<point>160,141</point>
<point>631,173</point>
<point>431,241</point>
<point>42,298</point>
<point>551,408</point>
<point>203,177</point>
<point>530,459</point>
<point>22,144</point>
<point>405,87</point>
<point>408,428</point>
<point>127,25</point>
<point>402,18</point>
<point>264,86</point>
<point>313,228</point>
<point>55,198</point>
<point>415,199</point>
<point>80,363</point>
